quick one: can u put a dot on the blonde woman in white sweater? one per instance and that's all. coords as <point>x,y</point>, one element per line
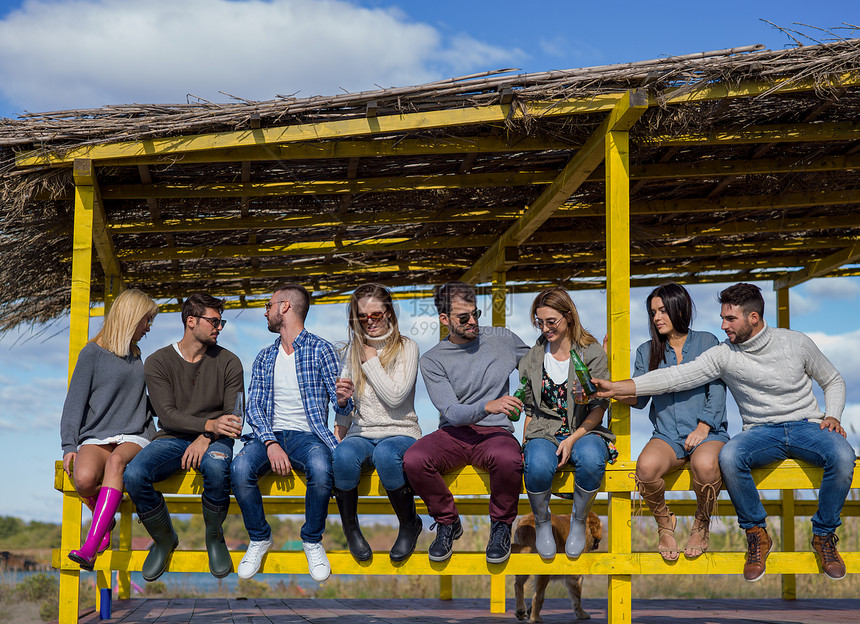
<point>383,366</point>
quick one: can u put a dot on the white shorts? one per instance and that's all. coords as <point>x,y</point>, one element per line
<point>117,439</point>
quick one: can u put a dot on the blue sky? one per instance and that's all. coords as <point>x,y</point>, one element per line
<point>63,54</point>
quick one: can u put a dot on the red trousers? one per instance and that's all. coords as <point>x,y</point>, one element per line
<point>494,449</point>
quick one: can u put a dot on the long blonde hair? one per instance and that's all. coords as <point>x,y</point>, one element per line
<point>560,301</point>
<point>125,314</point>
<point>358,338</point>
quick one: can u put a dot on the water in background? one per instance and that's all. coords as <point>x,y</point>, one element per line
<point>196,582</point>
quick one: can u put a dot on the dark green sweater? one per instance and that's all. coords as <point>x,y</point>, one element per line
<point>185,395</point>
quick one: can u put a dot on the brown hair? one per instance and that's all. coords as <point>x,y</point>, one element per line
<point>560,301</point>
<point>298,296</point>
<point>746,296</point>
<point>358,338</point>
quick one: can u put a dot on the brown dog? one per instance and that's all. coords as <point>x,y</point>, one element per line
<point>524,542</point>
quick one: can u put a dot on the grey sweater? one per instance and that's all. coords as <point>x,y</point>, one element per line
<point>107,397</point>
<point>461,379</point>
<point>770,376</point>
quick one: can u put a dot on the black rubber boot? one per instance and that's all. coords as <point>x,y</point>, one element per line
<point>220,563</point>
<point>347,504</point>
<point>403,502</point>
<point>157,524</point>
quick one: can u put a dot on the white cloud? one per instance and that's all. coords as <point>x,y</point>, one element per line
<point>84,53</point>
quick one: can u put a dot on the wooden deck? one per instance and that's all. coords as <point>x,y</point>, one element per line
<point>474,611</point>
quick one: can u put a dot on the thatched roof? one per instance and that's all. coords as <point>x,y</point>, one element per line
<point>743,166</point>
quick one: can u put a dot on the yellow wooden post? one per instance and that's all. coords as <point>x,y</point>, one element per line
<point>618,325</point>
<point>446,587</point>
<point>500,293</point>
<point>123,579</point>
<point>497,581</point>
<point>789,581</point>
<point>79,320</point>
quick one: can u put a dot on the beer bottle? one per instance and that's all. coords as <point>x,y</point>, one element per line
<point>583,374</point>
<point>521,395</point>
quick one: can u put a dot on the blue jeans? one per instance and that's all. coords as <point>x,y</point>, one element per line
<point>588,456</point>
<point>162,457</point>
<point>385,454</point>
<point>763,444</point>
<point>306,453</point>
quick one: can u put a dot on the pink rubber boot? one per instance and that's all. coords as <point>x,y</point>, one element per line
<point>90,502</point>
<point>105,508</point>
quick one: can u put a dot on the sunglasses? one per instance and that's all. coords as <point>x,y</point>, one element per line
<point>464,318</point>
<point>373,316</point>
<point>548,323</point>
<point>269,304</point>
<point>216,322</point>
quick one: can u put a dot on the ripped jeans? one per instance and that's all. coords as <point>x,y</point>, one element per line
<point>162,457</point>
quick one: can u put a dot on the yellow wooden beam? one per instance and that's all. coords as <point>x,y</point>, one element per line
<point>346,149</point>
<point>215,224</point>
<point>632,106</point>
<point>571,210</point>
<point>399,243</point>
<point>680,252</point>
<point>289,270</point>
<point>820,267</point>
<point>714,168</point>
<point>340,129</point>
<point>706,205</point>
<point>776,133</point>
<point>327,187</point>
<point>365,126</point>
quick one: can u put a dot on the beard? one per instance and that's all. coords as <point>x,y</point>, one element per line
<point>743,334</point>
<point>275,323</point>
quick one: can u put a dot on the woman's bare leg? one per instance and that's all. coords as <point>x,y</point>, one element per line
<point>655,461</point>
<point>707,482</point>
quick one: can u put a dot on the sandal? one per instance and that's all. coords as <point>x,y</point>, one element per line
<point>702,531</point>
<point>664,531</point>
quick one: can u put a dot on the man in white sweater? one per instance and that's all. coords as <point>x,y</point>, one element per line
<point>769,372</point>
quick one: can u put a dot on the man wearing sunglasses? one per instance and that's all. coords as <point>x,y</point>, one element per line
<point>292,382</point>
<point>467,378</point>
<point>192,386</point>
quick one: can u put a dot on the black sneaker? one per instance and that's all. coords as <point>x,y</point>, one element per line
<point>499,546</point>
<point>443,545</point>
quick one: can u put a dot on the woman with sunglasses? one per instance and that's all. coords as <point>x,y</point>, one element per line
<point>383,366</point>
<point>562,426</point>
<point>105,421</point>
<point>689,426</point>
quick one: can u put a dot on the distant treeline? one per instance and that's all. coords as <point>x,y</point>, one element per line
<point>18,534</point>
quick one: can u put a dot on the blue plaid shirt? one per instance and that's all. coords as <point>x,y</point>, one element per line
<point>317,367</point>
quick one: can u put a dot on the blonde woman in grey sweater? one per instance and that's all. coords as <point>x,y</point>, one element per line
<point>105,421</point>
<point>383,366</point>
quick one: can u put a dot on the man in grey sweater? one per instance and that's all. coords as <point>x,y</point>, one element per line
<point>769,372</point>
<point>466,375</point>
<point>192,385</point>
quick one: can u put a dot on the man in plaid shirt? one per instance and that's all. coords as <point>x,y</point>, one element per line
<point>292,382</point>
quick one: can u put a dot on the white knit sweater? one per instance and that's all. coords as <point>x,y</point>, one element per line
<point>386,405</point>
<point>770,375</point>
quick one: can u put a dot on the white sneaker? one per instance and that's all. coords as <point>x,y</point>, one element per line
<point>250,563</point>
<point>318,565</point>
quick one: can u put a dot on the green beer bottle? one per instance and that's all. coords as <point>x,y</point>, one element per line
<point>583,374</point>
<point>521,395</point>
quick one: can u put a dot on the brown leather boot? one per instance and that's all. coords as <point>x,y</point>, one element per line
<point>654,495</point>
<point>706,504</point>
<point>832,564</point>
<point>758,548</point>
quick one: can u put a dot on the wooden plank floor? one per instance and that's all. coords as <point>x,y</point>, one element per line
<point>473,611</point>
